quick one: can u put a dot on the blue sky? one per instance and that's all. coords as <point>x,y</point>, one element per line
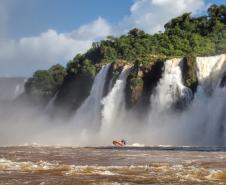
<point>35,16</point>
<point>36,34</point>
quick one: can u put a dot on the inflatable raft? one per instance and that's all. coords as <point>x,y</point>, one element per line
<point>119,143</point>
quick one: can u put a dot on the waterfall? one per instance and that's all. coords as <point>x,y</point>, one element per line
<point>209,71</point>
<point>170,88</point>
<point>11,87</point>
<point>50,106</point>
<point>89,112</point>
<point>114,102</point>
<point>204,121</point>
<point>103,117</point>
<point>19,89</point>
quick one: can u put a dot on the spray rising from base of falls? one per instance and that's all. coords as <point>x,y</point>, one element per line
<point>101,119</point>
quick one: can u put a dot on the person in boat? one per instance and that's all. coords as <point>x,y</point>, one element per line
<point>123,141</point>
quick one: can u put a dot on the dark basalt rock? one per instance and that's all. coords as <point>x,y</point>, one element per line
<point>223,80</point>
<point>150,78</point>
<point>74,91</point>
<point>189,75</point>
<point>134,87</point>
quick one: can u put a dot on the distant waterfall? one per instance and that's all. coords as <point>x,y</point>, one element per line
<point>89,112</point>
<point>19,89</point>
<point>114,103</point>
<point>170,87</point>
<point>50,106</point>
<point>11,87</point>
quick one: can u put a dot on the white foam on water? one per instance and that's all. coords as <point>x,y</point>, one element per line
<point>137,145</point>
<point>182,173</point>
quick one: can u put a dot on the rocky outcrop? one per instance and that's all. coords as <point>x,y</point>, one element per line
<point>189,75</point>
<point>134,86</point>
<point>74,91</point>
<point>141,83</point>
<point>151,79</point>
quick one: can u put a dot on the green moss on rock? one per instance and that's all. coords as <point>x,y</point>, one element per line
<point>189,72</point>
<point>134,86</point>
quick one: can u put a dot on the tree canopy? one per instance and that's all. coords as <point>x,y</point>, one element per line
<point>45,83</point>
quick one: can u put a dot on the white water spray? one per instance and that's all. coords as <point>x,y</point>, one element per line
<point>89,114</point>
<point>114,103</point>
<point>170,87</point>
<point>209,71</point>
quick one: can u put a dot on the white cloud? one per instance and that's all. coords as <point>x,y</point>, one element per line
<point>24,56</point>
<point>96,30</point>
<point>151,15</point>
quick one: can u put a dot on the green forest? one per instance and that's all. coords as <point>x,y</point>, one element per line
<point>183,36</point>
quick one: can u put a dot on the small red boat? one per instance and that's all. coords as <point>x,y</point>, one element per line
<point>119,143</point>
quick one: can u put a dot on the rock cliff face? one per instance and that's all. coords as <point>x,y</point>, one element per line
<point>189,73</point>
<point>141,83</point>
<point>134,86</point>
<point>151,85</point>
<point>73,92</point>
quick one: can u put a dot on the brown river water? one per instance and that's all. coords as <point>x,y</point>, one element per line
<point>109,165</point>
